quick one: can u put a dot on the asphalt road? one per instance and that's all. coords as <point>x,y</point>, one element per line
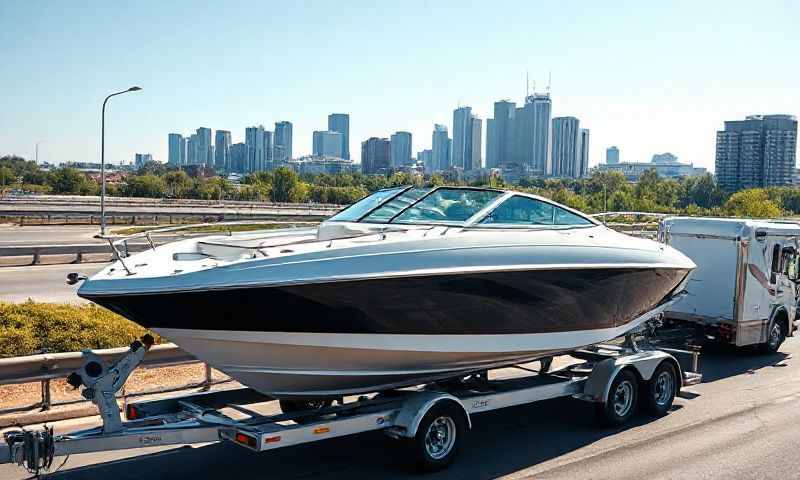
<point>740,423</point>
<point>42,283</point>
<point>14,235</point>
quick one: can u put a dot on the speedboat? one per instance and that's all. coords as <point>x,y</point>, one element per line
<point>406,286</point>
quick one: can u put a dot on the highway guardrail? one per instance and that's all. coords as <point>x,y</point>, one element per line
<point>49,366</point>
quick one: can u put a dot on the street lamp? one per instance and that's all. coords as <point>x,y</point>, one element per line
<point>103,160</point>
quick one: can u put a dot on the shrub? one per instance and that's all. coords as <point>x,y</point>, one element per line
<point>29,328</point>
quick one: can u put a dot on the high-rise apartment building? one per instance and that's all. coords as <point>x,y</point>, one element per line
<point>441,146</point>
<point>532,134</point>
<point>239,156</point>
<point>222,150</point>
<point>283,142</point>
<point>376,156</point>
<point>426,158</point>
<point>269,151</point>
<point>466,139</point>
<point>759,151</point>
<point>140,159</point>
<point>500,134</point>
<point>327,143</point>
<point>566,147</point>
<point>254,139</point>
<point>174,143</point>
<point>203,154</point>
<point>400,149</point>
<point>340,122</point>
<point>612,155</point>
<point>583,169</point>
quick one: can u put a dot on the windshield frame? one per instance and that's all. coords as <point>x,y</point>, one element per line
<point>400,191</point>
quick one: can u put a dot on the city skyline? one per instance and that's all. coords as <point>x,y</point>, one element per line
<point>642,92</point>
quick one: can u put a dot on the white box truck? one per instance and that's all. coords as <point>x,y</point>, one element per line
<point>744,290</point>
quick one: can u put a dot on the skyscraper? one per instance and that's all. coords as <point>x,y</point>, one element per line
<point>500,134</point>
<point>566,147</point>
<point>203,147</point>
<point>222,150</point>
<point>174,141</point>
<point>239,157</point>
<point>191,150</point>
<point>584,154</point>
<point>328,143</point>
<point>426,158</point>
<point>254,139</point>
<point>401,149</point>
<point>183,157</point>
<point>376,156</point>
<point>612,155</point>
<point>269,152</point>
<point>441,146</point>
<point>340,122</point>
<point>531,134</point>
<point>759,151</point>
<point>462,137</point>
<point>283,142</point>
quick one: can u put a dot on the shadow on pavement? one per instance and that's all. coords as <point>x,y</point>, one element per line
<point>500,442</point>
<point>718,362</point>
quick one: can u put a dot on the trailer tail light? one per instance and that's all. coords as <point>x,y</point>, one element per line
<point>320,430</point>
<point>272,439</point>
<point>246,440</point>
<point>132,413</point>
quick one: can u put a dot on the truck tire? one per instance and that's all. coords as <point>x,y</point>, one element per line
<point>661,389</point>
<point>775,337</point>
<point>620,404</point>
<point>438,437</point>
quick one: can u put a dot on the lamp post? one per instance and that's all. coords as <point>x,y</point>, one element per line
<point>103,159</point>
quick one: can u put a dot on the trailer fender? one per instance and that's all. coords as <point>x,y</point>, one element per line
<point>417,406</point>
<point>643,364</point>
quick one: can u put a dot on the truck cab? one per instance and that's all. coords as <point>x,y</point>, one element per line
<point>745,288</point>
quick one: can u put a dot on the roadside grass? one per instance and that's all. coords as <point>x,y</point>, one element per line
<point>31,327</point>
<point>244,227</point>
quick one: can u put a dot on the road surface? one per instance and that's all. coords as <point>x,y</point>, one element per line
<point>42,283</point>
<point>740,423</point>
<point>12,235</point>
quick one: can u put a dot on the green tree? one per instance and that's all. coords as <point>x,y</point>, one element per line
<point>70,181</point>
<point>287,187</point>
<point>148,185</point>
<point>6,177</point>
<point>752,203</point>
<point>177,183</point>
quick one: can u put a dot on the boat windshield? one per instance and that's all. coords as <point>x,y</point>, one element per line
<point>450,206</point>
<point>357,210</point>
<point>525,211</point>
<point>390,209</point>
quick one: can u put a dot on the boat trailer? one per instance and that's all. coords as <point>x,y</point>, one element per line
<point>432,419</point>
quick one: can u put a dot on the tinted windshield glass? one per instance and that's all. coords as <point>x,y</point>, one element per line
<point>394,206</point>
<point>448,205</point>
<point>530,211</point>
<point>361,207</point>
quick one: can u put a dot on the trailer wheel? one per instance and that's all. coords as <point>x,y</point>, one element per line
<point>620,404</point>
<point>661,389</point>
<point>294,406</point>
<point>438,437</point>
<point>775,338</point>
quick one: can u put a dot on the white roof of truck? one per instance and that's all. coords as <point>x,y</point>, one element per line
<point>728,227</point>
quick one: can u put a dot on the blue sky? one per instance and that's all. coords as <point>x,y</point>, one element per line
<point>648,78</point>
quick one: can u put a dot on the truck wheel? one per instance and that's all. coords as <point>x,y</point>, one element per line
<point>620,404</point>
<point>438,437</point>
<point>661,389</point>
<point>775,338</point>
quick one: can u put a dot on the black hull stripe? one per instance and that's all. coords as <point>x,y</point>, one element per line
<point>476,304</point>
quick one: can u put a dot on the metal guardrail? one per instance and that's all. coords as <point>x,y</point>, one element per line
<point>46,367</point>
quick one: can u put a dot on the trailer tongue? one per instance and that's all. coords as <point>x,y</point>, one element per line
<point>433,419</point>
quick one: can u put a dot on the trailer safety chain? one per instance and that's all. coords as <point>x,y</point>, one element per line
<point>36,450</point>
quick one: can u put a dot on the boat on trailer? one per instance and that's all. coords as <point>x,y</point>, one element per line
<point>406,286</point>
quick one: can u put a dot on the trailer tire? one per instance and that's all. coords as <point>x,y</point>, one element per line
<point>775,337</point>
<point>620,403</point>
<point>438,437</point>
<point>661,389</point>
